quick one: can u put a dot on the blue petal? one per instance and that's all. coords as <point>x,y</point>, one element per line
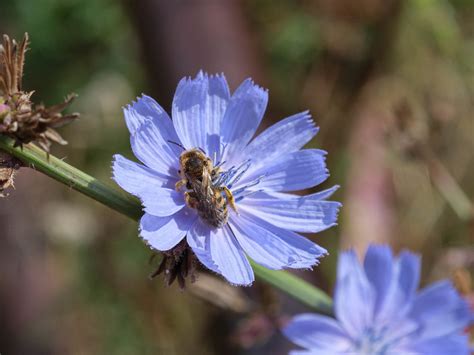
<point>440,310</point>
<point>354,297</point>
<point>401,292</point>
<point>399,332</point>
<point>410,266</point>
<point>198,110</point>
<point>455,344</point>
<point>242,117</point>
<point>199,239</point>
<point>163,233</point>
<point>291,172</point>
<point>378,268</point>
<point>136,178</point>
<point>149,146</point>
<point>286,136</point>
<point>162,202</point>
<point>229,257</point>
<point>313,331</point>
<point>297,213</point>
<point>325,194</point>
<point>147,110</point>
<point>273,247</point>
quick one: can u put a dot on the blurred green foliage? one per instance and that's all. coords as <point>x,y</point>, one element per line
<point>72,39</point>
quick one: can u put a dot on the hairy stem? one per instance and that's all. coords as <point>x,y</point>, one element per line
<point>37,159</point>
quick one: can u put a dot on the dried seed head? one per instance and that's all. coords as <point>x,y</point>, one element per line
<point>20,118</point>
<point>8,167</point>
<point>177,264</point>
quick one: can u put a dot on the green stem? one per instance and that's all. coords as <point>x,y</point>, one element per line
<point>38,159</point>
<point>59,170</point>
<point>296,287</point>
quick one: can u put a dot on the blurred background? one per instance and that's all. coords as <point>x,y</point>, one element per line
<point>390,83</point>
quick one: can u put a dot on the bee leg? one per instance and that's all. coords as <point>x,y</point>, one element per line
<point>230,197</point>
<point>190,200</point>
<point>180,184</point>
<point>214,172</point>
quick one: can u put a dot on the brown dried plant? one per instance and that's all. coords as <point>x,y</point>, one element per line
<point>8,167</point>
<point>20,118</point>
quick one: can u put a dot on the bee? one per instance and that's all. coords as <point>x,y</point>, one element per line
<point>198,175</point>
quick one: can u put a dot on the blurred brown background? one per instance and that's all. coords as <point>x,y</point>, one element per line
<point>390,83</point>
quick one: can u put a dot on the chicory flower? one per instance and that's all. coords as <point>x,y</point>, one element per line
<point>379,311</point>
<point>206,183</point>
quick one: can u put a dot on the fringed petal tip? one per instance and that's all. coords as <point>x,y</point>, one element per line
<point>316,262</point>
<point>218,273</point>
<point>131,104</point>
<point>204,74</point>
<point>313,127</point>
<point>142,98</point>
<point>250,82</point>
<point>311,265</point>
<point>238,284</point>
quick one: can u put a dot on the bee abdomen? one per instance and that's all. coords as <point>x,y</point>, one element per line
<point>214,213</point>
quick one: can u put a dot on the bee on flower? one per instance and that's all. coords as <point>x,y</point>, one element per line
<point>214,191</point>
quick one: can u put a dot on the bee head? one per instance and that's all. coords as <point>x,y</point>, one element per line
<point>193,164</point>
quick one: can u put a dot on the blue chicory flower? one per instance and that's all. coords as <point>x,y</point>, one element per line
<point>378,311</point>
<point>259,174</point>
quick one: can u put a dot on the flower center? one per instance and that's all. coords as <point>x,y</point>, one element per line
<point>233,175</point>
<point>210,189</point>
<point>372,342</point>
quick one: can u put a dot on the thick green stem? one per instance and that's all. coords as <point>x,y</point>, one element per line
<point>37,159</point>
<point>59,170</point>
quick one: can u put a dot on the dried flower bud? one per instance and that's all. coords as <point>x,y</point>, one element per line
<point>8,167</point>
<point>177,264</point>
<point>20,118</point>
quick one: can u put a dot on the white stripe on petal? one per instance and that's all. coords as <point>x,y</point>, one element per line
<point>242,117</point>
<point>198,239</point>
<point>297,213</point>
<point>273,247</point>
<point>148,146</point>
<point>286,136</point>
<point>136,178</point>
<point>291,172</point>
<point>229,257</point>
<point>147,110</point>
<point>198,109</point>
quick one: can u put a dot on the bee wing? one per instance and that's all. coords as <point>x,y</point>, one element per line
<point>206,178</point>
<point>197,187</point>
